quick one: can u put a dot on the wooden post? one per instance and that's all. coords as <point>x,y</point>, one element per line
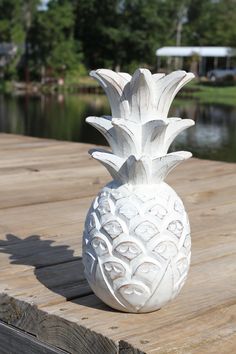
<point>228,62</point>
<point>215,63</point>
<point>158,63</point>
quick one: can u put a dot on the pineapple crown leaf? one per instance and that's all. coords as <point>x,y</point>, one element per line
<point>139,131</point>
<point>139,171</point>
<point>113,84</point>
<point>174,128</point>
<point>142,95</point>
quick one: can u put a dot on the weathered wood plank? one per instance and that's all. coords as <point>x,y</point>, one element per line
<point>13,341</point>
<point>71,337</point>
<point>65,166</point>
<point>45,189</point>
<point>65,279</point>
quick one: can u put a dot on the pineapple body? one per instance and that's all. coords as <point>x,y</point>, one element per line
<point>136,248</point>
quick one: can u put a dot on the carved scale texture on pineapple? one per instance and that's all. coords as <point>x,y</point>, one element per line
<point>137,244</point>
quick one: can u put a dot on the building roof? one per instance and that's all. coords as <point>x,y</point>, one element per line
<point>201,51</point>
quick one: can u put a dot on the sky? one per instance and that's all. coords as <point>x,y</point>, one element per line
<point>43,5</point>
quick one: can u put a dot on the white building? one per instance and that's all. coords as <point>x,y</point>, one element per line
<point>205,58</point>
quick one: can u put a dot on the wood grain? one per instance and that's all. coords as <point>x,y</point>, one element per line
<point>46,188</point>
<point>14,341</point>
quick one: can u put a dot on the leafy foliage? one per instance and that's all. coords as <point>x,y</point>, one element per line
<point>15,20</point>
<point>51,40</point>
<point>118,34</point>
<point>211,22</point>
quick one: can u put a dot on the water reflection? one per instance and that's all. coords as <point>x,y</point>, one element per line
<point>63,117</point>
<point>59,117</point>
<point>213,136</point>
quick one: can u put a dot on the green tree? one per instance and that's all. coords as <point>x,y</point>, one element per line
<point>118,33</point>
<point>11,25</point>
<point>211,22</point>
<point>51,40</point>
<point>15,19</point>
<point>125,33</point>
<point>141,32</point>
<point>98,29</point>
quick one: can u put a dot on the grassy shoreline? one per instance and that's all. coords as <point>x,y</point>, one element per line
<point>203,92</point>
<point>206,93</point>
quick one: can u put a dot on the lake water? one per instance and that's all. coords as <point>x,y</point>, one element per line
<point>63,117</point>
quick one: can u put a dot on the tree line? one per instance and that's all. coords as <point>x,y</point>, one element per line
<point>73,36</point>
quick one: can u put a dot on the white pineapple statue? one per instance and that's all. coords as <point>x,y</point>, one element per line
<point>136,246</point>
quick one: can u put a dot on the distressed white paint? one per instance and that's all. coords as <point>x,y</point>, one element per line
<point>136,246</point>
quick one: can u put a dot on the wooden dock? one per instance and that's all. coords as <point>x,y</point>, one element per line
<point>46,305</point>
